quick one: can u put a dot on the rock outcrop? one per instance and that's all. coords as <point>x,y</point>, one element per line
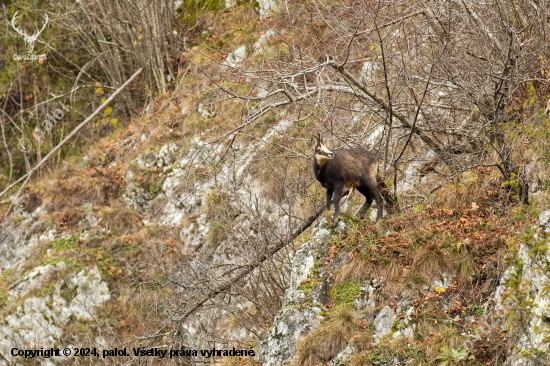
<point>308,293</point>
<point>266,6</point>
<point>303,302</point>
<point>523,299</point>
<point>38,322</point>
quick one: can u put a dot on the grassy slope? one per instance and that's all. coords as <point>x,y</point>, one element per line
<point>466,231</point>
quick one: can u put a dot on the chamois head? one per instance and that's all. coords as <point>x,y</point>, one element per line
<point>321,153</point>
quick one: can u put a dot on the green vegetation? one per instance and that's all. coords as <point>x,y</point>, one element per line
<point>452,355</point>
<point>64,245</point>
<point>191,11</point>
<point>308,284</point>
<point>345,293</point>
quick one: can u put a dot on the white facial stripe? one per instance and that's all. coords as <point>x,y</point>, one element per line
<point>325,149</point>
<point>321,159</point>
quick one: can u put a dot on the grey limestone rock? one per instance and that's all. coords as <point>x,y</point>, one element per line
<point>298,316</point>
<point>530,278</point>
<point>266,6</point>
<point>383,323</point>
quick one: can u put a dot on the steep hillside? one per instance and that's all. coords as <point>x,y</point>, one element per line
<point>195,222</point>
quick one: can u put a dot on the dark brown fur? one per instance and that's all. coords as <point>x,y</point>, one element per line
<point>338,169</point>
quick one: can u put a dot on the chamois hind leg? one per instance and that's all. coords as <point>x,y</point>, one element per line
<point>329,198</point>
<point>368,201</point>
<point>379,202</point>
<point>338,191</point>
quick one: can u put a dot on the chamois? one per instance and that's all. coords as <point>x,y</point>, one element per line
<point>347,168</point>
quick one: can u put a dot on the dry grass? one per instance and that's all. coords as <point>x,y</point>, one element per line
<point>430,261</point>
<point>358,269</point>
<point>119,219</point>
<point>238,361</point>
<point>31,200</point>
<point>464,232</point>
<point>360,360</point>
<point>324,344</point>
<point>446,338</point>
<point>466,241</point>
<point>70,217</point>
<point>232,29</point>
<point>72,187</point>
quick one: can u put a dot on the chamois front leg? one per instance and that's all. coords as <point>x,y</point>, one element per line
<point>368,201</point>
<point>364,207</point>
<point>329,198</point>
<point>336,198</point>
